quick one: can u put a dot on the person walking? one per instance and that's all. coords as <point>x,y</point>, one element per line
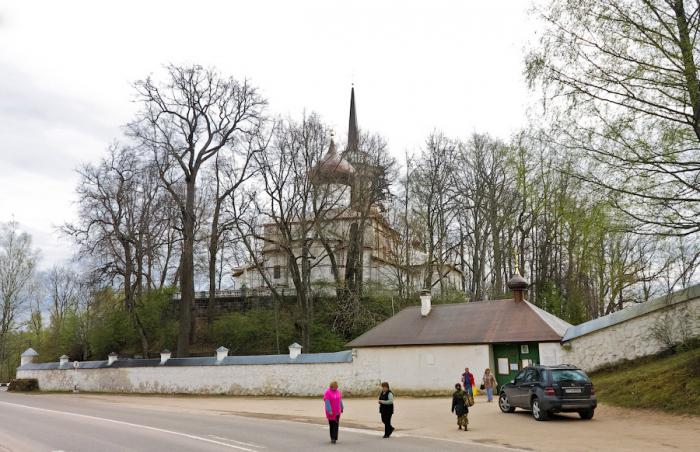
<point>386,408</point>
<point>333,399</point>
<point>468,381</point>
<point>489,382</point>
<point>460,407</point>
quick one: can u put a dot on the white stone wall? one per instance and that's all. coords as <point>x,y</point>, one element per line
<point>552,353</point>
<point>425,369</point>
<point>627,340</point>
<point>275,379</point>
<point>410,370</point>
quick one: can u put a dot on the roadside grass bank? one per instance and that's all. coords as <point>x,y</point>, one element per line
<point>670,383</point>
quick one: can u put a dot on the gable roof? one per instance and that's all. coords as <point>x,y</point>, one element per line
<point>29,352</point>
<point>482,322</point>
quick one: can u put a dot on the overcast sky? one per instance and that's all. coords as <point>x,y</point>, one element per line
<point>66,69</point>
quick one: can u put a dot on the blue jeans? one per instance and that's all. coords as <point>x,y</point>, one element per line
<point>489,394</point>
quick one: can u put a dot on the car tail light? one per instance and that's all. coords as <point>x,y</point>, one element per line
<point>549,391</point>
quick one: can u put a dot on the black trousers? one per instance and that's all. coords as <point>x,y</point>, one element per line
<point>334,428</point>
<point>386,420</point>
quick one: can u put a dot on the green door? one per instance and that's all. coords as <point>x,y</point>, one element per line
<point>509,359</point>
<point>504,357</point>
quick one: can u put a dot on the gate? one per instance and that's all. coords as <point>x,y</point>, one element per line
<point>509,359</point>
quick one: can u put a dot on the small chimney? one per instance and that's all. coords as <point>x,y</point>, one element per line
<point>28,356</point>
<point>164,356</point>
<point>63,360</point>
<point>111,358</point>
<point>221,353</point>
<point>425,304</point>
<point>294,351</point>
<point>518,285</point>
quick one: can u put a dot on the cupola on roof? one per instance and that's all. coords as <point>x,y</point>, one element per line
<point>517,282</point>
<point>333,168</point>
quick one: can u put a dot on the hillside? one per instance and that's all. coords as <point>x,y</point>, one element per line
<point>669,383</point>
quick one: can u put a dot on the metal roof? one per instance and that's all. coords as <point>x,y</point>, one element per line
<point>631,312</point>
<point>309,358</point>
<point>482,322</point>
<point>557,324</point>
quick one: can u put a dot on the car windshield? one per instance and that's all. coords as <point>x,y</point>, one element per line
<point>569,375</point>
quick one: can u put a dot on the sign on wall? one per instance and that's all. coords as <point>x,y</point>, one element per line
<point>503,366</point>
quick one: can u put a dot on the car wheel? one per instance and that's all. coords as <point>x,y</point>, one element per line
<point>537,412</point>
<point>504,403</point>
<point>586,414</point>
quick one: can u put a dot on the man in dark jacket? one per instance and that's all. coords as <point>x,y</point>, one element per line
<point>468,381</point>
<point>386,408</point>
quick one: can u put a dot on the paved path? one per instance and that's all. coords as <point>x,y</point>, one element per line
<point>39,423</point>
<point>612,429</point>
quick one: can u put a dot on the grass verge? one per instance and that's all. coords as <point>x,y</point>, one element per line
<point>669,383</point>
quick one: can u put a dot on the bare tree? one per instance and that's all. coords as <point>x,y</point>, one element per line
<point>436,204</point>
<point>473,216</point>
<point>229,173</point>
<point>62,286</point>
<point>120,224</point>
<point>289,214</point>
<point>185,121</point>
<point>18,261</point>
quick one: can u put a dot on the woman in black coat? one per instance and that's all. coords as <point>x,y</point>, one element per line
<point>460,407</point>
<point>386,408</point>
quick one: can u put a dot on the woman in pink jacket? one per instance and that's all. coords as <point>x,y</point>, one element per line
<point>333,400</point>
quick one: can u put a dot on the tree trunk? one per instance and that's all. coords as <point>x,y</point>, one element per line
<point>187,271</point>
<point>213,249</point>
<point>130,298</point>
<point>689,68</point>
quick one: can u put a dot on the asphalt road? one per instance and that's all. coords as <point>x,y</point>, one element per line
<point>38,423</point>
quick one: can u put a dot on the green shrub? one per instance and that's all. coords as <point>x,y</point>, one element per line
<point>112,329</point>
<point>159,319</point>
<point>23,385</point>
<point>324,340</point>
<point>256,332</point>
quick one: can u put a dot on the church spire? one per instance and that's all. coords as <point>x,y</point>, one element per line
<point>353,137</point>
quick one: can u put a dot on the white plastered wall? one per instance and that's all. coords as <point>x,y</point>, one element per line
<point>411,370</point>
<point>426,369</point>
<point>626,340</point>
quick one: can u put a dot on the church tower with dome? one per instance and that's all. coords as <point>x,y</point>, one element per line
<point>334,176</point>
<point>368,257</point>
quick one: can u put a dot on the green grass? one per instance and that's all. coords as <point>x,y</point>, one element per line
<point>669,383</point>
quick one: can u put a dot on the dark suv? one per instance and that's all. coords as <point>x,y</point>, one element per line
<point>550,389</point>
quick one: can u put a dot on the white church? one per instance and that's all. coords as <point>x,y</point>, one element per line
<point>343,175</point>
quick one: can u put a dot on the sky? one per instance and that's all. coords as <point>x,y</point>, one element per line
<point>67,70</point>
